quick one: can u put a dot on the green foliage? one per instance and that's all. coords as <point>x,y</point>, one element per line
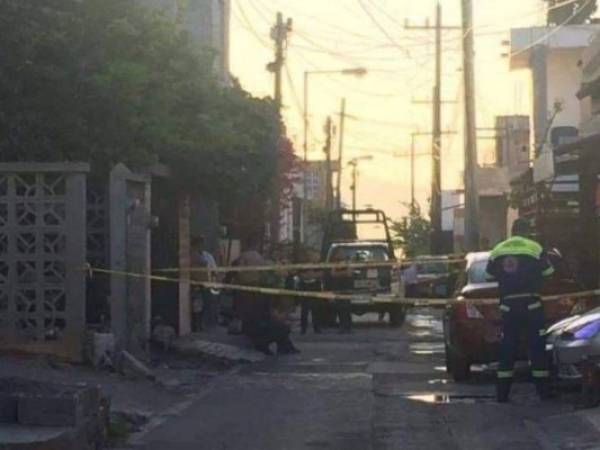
<point>109,81</point>
<point>412,233</point>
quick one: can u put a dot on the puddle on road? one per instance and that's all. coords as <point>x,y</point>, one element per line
<point>438,381</point>
<point>427,348</point>
<point>451,398</point>
<point>425,321</point>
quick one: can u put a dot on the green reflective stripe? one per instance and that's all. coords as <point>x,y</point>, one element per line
<point>540,373</point>
<point>535,305</point>
<point>504,308</point>
<point>517,246</point>
<point>549,271</point>
<point>505,373</point>
<point>542,332</point>
<point>524,295</point>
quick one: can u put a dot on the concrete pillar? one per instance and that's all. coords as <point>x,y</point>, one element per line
<point>539,71</point>
<point>130,253</point>
<point>185,312</point>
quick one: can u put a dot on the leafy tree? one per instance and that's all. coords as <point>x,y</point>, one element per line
<point>110,81</point>
<point>412,233</point>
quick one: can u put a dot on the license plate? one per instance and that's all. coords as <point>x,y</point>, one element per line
<point>372,273</point>
<point>365,284</point>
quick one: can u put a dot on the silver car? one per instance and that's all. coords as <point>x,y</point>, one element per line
<point>574,343</point>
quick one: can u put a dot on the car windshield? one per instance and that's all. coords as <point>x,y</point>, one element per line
<point>359,254</point>
<point>476,272</point>
<point>432,268</point>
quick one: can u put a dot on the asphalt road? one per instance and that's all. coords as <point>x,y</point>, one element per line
<point>378,388</point>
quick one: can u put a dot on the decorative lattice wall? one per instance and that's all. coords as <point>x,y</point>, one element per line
<point>42,256</point>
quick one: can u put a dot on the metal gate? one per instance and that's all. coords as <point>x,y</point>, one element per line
<point>42,256</point>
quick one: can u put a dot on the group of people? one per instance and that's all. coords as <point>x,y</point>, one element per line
<point>264,318</point>
<point>260,317</point>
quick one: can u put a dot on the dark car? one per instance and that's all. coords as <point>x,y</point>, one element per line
<point>371,287</point>
<point>472,331</point>
<point>433,277</point>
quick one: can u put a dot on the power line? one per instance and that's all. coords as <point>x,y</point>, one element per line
<point>247,23</point>
<point>381,28</point>
<point>553,31</point>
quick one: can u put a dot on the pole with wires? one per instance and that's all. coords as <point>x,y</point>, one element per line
<point>436,164</point>
<point>338,188</point>
<point>279,34</point>
<point>470,181</point>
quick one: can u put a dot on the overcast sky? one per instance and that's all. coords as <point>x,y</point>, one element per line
<point>337,34</point>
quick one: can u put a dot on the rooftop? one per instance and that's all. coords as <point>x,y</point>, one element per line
<point>523,40</point>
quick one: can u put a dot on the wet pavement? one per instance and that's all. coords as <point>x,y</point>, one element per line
<point>377,388</point>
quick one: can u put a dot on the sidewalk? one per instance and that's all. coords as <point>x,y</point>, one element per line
<point>136,404</point>
<point>218,345</point>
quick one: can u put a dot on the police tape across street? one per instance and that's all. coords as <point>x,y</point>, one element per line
<point>450,259</point>
<point>332,296</point>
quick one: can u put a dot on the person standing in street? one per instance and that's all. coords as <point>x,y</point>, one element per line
<point>410,278</point>
<point>310,280</point>
<point>204,300</point>
<point>519,264</point>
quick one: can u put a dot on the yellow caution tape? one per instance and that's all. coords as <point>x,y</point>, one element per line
<point>307,266</point>
<point>332,296</point>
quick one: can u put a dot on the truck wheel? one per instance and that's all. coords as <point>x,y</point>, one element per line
<point>397,316</point>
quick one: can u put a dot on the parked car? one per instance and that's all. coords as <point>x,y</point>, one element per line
<point>472,332</point>
<point>574,341</point>
<point>433,277</point>
<point>574,344</point>
<point>371,287</point>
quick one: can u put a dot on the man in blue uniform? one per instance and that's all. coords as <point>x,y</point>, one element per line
<point>520,264</point>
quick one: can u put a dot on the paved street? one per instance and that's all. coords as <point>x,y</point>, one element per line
<point>375,389</point>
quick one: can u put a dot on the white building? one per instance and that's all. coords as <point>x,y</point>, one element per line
<point>513,144</point>
<point>553,57</point>
<point>209,23</point>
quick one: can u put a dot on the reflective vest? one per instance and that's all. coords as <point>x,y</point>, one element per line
<point>519,265</point>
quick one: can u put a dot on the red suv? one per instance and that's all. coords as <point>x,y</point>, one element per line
<point>472,331</point>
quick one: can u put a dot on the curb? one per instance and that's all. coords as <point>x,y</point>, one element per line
<point>136,439</point>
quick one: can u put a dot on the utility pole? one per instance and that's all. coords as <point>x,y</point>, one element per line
<point>353,186</point>
<point>412,171</point>
<point>470,181</point>
<point>436,169</point>
<point>413,202</point>
<point>279,34</point>
<point>338,189</point>
<point>328,168</point>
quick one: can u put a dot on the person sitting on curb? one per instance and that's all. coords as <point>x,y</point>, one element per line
<point>261,321</point>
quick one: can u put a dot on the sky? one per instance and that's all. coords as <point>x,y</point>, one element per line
<point>385,106</point>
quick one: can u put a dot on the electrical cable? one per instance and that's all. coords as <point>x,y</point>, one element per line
<point>554,30</point>
<point>382,29</point>
<point>245,21</point>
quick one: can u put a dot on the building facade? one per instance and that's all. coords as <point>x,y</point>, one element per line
<point>208,21</point>
<point>548,193</point>
<point>585,156</point>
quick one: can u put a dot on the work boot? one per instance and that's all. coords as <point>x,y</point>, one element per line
<point>503,390</point>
